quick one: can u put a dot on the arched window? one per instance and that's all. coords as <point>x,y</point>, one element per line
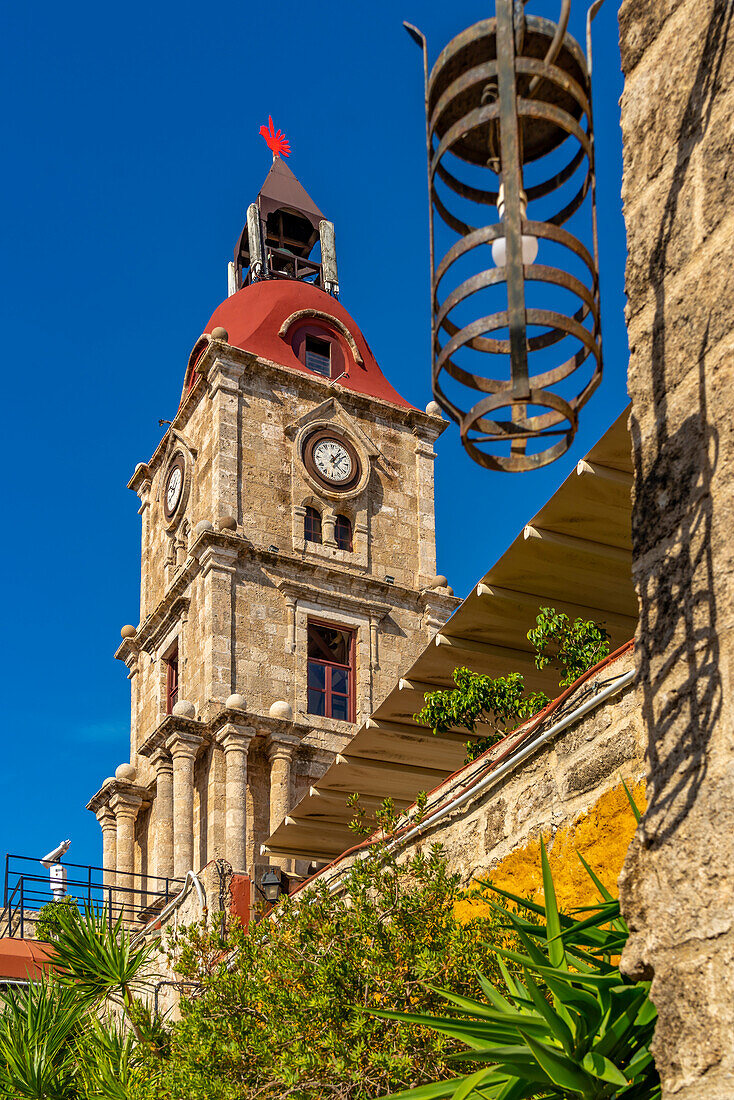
<point>343,533</point>
<point>312,525</point>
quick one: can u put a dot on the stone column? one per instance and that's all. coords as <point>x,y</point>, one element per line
<point>235,741</point>
<point>183,748</point>
<point>328,524</point>
<point>163,816</point>
<point>281,758</point>
<point>108,824</point>
<point>125,805</point>
<point>291,603</point>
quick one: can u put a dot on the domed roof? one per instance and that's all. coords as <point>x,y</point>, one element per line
<point>262,318</point>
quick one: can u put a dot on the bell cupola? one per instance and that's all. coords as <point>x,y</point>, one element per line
<point>286,235</point>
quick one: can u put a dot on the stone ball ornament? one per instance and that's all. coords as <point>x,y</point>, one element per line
<point>126,772</point>
<point>281,709</point>
<point>227,523</point>
<point>439,582</point>
<point>184,709</point>
<point>220,333</point>
<point>236,702</point>
<point>203,525</point>
<point>434,409</point>
<point>128,631</point>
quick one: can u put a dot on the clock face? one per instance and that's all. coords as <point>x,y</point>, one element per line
<point>174,488</point>
<point>333,461</point>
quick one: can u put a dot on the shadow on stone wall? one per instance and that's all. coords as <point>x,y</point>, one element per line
<point>677,647</point>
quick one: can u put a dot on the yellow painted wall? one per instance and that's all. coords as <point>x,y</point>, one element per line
<point>602,835</point>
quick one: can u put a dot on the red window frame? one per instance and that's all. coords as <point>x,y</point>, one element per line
<point>312,525</point>
<point>171,681</point>
<point>343,533</point>
<point>330,667</point>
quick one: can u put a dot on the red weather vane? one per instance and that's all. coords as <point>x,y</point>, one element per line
<point>277,143</point>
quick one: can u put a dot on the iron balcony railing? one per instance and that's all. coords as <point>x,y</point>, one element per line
<point>283,264</point>
<point>27,889</point>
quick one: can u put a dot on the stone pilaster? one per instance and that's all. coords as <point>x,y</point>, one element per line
<point>223,377</point>
<point>280,754</point>
<point>425,457</point>
<point>235,740</point>
<point>218,567</point>
<point>125,806</point>
<point>183,748</point>
<point>163,809</point>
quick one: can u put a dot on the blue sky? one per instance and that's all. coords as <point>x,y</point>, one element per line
<point>131,148</point>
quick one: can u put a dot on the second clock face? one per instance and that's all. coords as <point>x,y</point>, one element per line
<point>333,460</point>
<point>174,488</point>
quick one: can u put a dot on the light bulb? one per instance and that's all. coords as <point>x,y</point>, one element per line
<point>529,244</point>
<point>529,250</point>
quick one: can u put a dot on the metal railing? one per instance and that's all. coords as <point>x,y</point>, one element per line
<point>27,888</point>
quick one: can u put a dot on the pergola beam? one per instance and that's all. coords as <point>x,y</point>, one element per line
<point>604,473</point>
<point>624,623</point>
<point>419,734</point>
<point>583,546</point>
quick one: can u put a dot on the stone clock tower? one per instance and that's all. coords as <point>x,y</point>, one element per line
<point>288,559</point>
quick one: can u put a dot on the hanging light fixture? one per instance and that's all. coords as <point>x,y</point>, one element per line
<point>508,125</point>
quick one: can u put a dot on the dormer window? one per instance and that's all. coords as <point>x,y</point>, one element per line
<point>318,355</point>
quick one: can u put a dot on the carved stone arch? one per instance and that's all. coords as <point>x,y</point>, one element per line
<point>333,322</point>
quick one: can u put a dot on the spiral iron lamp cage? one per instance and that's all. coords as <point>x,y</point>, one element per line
<point>507,98</point>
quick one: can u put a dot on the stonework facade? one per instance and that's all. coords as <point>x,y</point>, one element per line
<point>677,890</point>
<point>223,735</point>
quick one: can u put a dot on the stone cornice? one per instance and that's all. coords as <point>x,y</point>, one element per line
<point>155,627</point>
<point>273,728</point>
<point>439,597</point>
<point>304,591</point>
<point>322,388</point>
<point>121,788</point>
<point>282,568</point>
<point>170,725</point>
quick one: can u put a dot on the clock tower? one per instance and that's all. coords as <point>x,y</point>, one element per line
<point>288,559</point>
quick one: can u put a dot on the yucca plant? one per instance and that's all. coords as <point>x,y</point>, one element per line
<point>80,1032</point>
<point>571,1025</point>
<point>97,959</point>
<point>39,1026</point>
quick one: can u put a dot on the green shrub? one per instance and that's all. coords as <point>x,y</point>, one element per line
<point>502,702</point>
<point>51,918</point>
<point>283,1009</point>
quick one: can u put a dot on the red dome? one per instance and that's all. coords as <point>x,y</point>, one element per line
<point>264,317</point>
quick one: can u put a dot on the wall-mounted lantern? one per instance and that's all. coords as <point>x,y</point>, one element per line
<point>273,884</point>
<point>516,337</point>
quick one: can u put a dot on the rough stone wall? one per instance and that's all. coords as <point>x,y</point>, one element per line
<point>677,888</point>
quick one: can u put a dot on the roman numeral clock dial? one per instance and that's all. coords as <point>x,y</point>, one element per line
<point>173,490</point>
<point>331,460</point>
